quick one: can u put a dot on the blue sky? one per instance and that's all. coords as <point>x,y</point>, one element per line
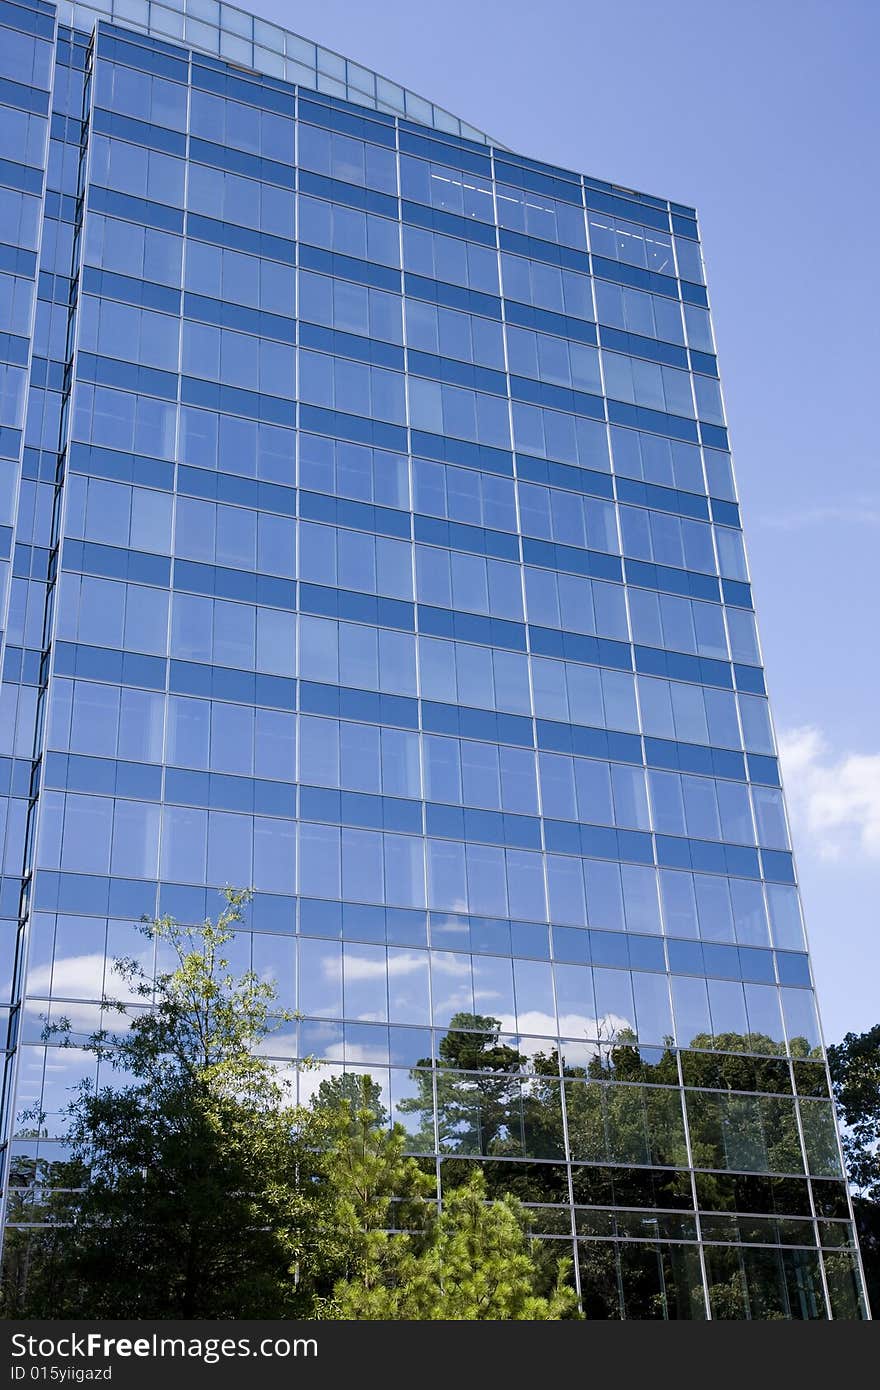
<point>764,116</point>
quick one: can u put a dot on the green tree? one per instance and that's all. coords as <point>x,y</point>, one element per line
<point>474,1262</point>
<point>478,1089</point>
<point>376,1192</point>
<point>184,1191</point>
<point>855,1080</point>
<point>403,1260</point>
<point>194,1187</point>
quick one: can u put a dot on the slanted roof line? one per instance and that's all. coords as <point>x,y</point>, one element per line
<point>240,37</point>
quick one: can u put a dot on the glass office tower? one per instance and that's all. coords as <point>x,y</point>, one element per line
<point>370,537</point>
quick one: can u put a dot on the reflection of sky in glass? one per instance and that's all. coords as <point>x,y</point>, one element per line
<point>453,659</point>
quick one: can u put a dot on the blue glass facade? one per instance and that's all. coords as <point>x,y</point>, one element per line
<point>370,536</point>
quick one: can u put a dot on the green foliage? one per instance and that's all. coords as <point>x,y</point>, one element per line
<point>195,1187</point>
<point>182,1194</point>
<point>375,1187</point>
<point>855,1080</point>
<point>868,1229</point>
<point>474,1262</point>
<point>473,1111</point>
<point>192,1185</point>
<point>402,1259</point>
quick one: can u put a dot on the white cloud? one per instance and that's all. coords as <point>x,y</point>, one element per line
<point>863,511</point>
<point>835,798</point>
<point>537,1031</point>
<point>78,977</point>
<point>374,967</point>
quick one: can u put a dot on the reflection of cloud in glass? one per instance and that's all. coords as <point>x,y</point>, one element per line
<point>571,1026</point>
<point>65,1069</point>
<point>606,1029</point>
<point>82,977</point>
<point>74,977</point>
<point>485,997</point>
<point>116,986</point>
<point>366,1054</point>
<point>459,1001</point>
<point>84,1017</point>
<point>281,1043</point>
<point>579,1054</point>
<point>531,1022</point>
<point>361,968</point>
<point>309,1081</point>
<point>30,1076</point>
<point>457,905</point>
<point>447,963</point>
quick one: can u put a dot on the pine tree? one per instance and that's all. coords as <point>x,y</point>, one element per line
<point>474,1262</point>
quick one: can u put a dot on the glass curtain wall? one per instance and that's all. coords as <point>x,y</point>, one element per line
<point>370,537</point>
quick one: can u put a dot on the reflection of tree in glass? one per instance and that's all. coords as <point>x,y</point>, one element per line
<point>492,1101</point>
<point>347,1094</point>
<point>483,1098</point>
<point>180,1192</point>
<point>478,1088</point>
